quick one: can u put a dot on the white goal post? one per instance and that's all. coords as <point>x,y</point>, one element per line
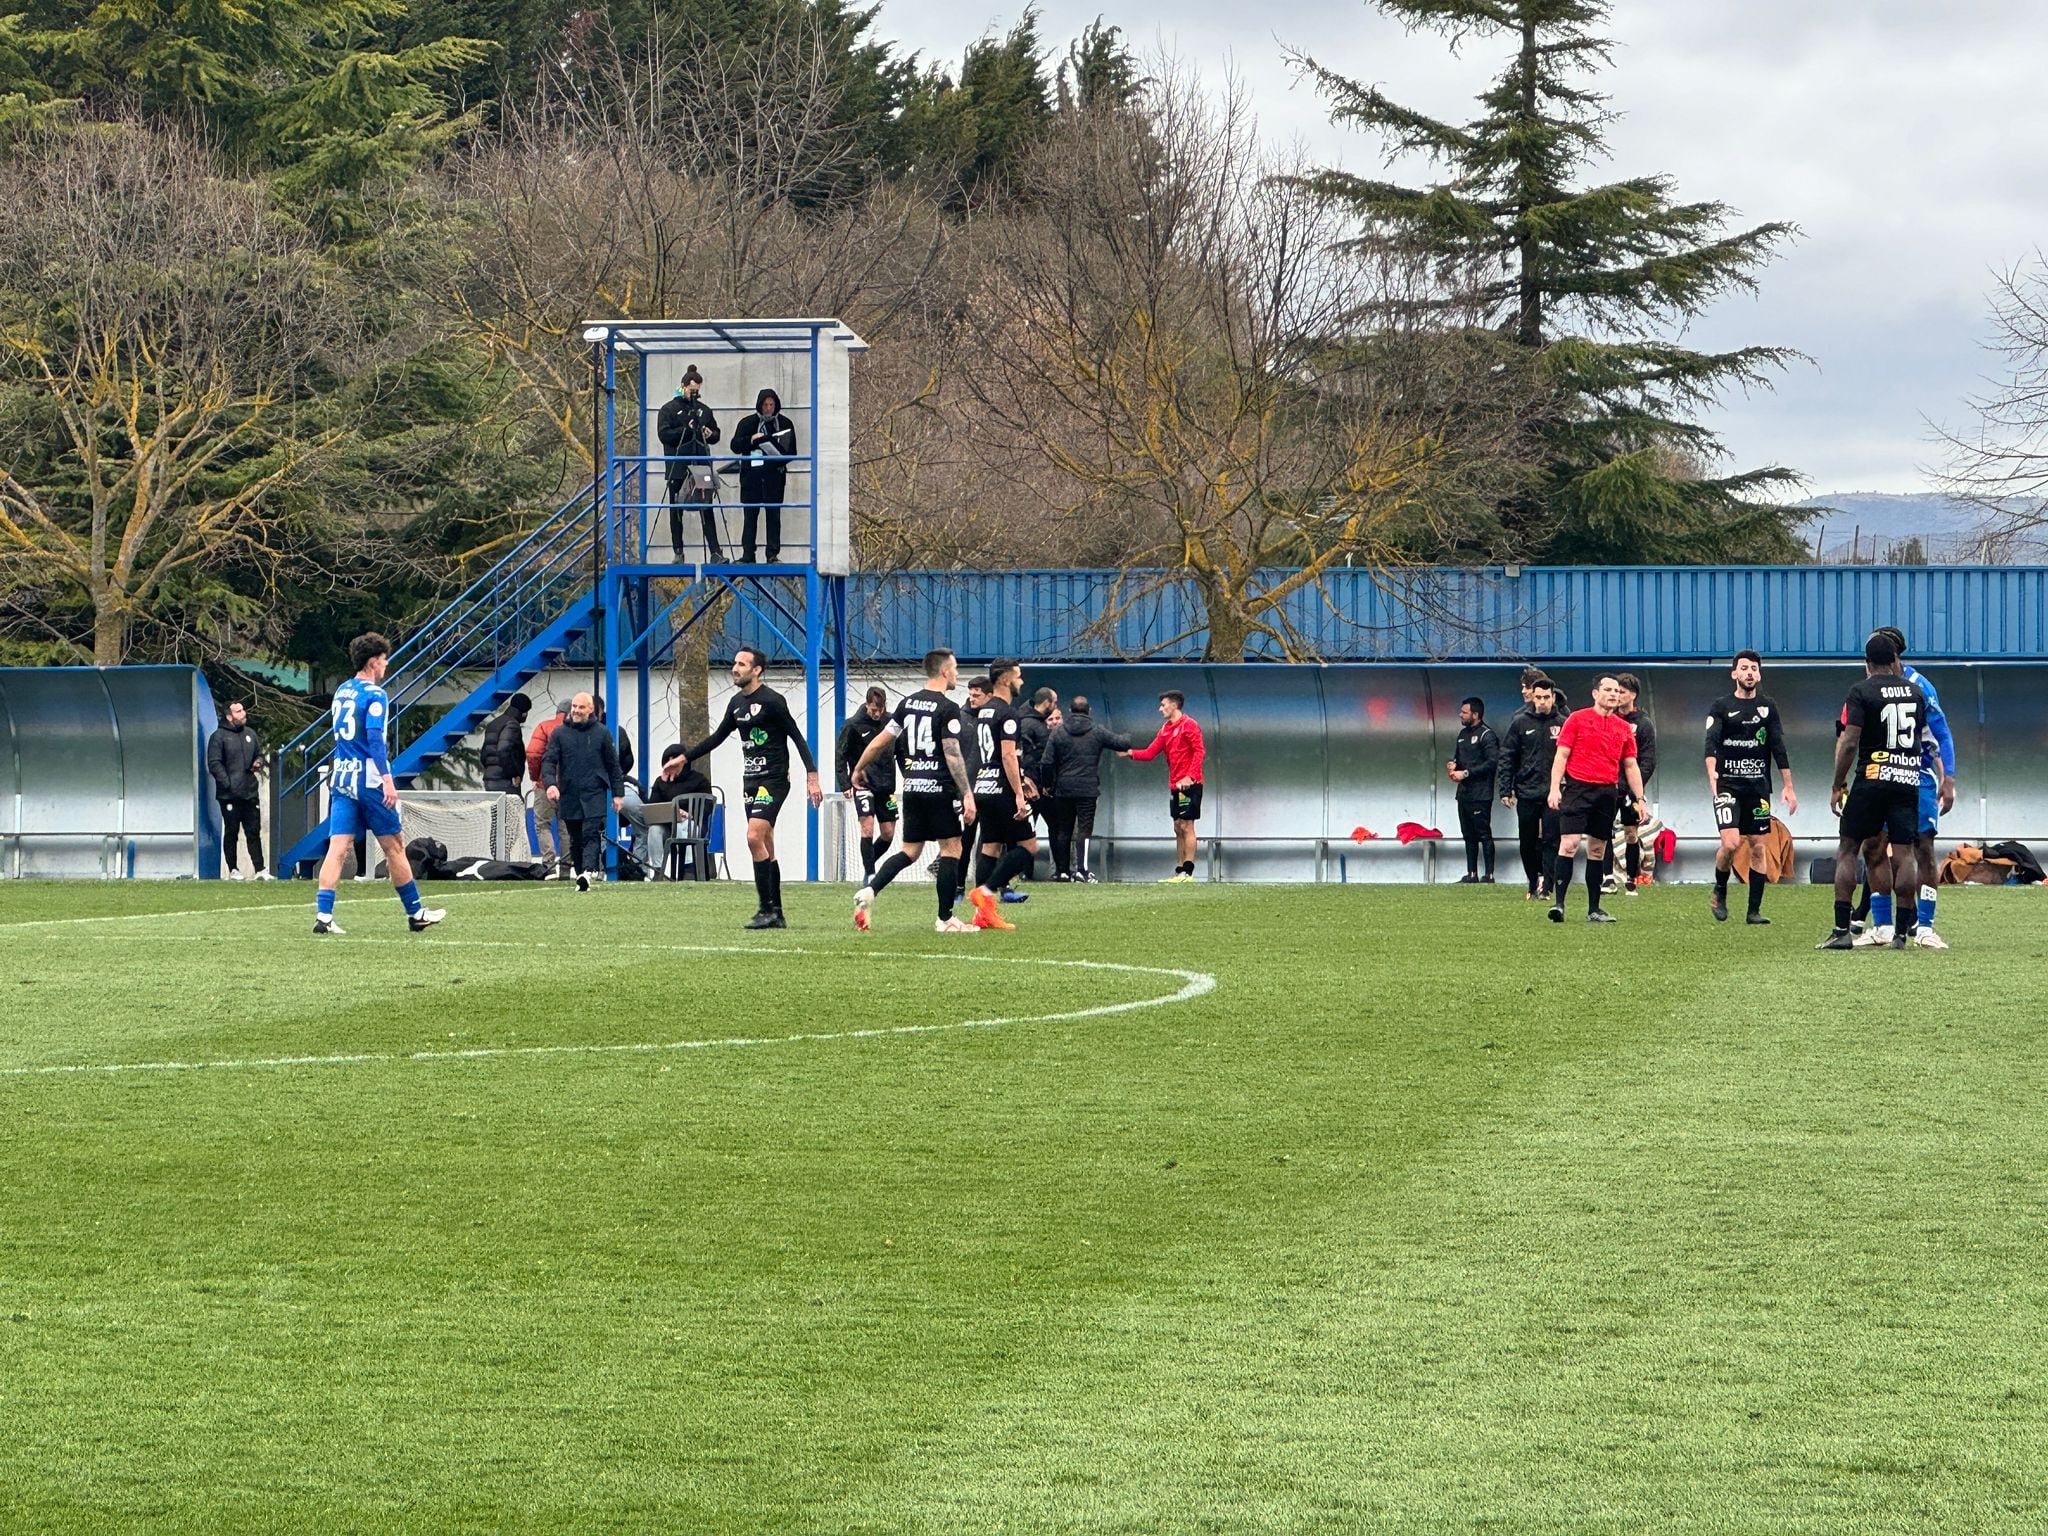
<point>474,823</point>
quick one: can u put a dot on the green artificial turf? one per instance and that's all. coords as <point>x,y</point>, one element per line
<point>1431,1216</point>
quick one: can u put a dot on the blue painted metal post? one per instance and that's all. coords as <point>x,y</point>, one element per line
<point>610,593</point>
<point>814,625</point>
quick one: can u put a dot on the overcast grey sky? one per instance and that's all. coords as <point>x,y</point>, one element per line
<point>1904,137</point>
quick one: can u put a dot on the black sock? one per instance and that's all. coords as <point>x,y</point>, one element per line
<point>1757,882</point>
<point>984,866</point>
<point>762,885</point>
<point>1592,893</point>
<point>891,867</point>
<point>774,886</point>
<point>1012,864</point>
<point>1842,916</point>
<point>1635,862</point>
<point>1721,884</point>
<point>946,875</point>
<point>1862,904</point>
<point>1185,869</point>
<point>1560,880</point>
<point>867,858</point>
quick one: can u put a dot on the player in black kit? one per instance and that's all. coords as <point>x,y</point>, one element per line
<point>874,808</point>
<point>937,797</point>
<point>1880,745</point>
<point>1745,739</point>
<point>1002,814</point>
<point>761,718</point>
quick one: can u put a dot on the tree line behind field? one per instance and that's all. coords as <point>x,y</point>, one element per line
<point>289,298</point>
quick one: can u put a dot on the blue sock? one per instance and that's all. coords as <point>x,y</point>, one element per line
<point>1926,906</point>
<point>409,893</point>
<point>325,905</point>
<point>1881,911</point>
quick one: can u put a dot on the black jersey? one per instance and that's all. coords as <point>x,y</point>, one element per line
<point>853,741</point>
<point>1888,714</point>
<point>925,721</point>
<point>766,730</point>
<point>994,723</point>
<point>1746,739</point>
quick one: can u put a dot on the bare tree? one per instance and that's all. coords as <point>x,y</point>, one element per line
<point>1162,325</point>
<point>2000,461</point>
<point>158,325</point>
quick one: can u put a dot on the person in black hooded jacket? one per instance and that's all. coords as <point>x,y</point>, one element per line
<point>765,441</point>
<point>1070,775</point>
<point>504,753</point>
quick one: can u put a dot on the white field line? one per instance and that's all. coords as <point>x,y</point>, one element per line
<point>352,899</point>
<point>1194,984</point>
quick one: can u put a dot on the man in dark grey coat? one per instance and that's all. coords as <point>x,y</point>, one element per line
<point>233,759</point>
<point>580,770</point>
<point>1070,774</point>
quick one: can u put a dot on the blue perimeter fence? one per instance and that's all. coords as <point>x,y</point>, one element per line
<point>1551,613</point>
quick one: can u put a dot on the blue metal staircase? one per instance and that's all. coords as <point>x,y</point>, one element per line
<point>510,624</point>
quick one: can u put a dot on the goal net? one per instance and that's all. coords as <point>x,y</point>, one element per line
<point>474,824</point>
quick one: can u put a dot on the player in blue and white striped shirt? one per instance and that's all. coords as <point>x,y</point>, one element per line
<point>360,793</point>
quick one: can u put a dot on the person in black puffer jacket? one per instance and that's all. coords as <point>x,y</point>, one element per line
<point>1070,775</point>
<point>233,759</point>
<point>504,750</point>
<point>580,771</point>
<point>765,441</point>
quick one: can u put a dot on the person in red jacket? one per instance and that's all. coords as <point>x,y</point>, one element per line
<point>1596,751</point>
<point>1181,740</point>
<point>546,823</point>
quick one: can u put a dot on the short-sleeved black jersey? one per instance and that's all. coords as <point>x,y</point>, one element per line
<point>1888,714</point>
<point>766,730</point>
<point>994,723</point>
<point>925,721</point>
<point>1745,738</point>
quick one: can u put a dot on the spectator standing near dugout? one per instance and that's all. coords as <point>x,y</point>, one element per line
<point>1180,738</point>
<point>504,751</point>
<point>580,770</point>
<point>689,431</point>
<point>1474,765</point>
<point>547,829</point>
<point>1604,748</point>
<point>234,758</point>
<point>1524,781</point>
<point>1070,772</point>
<point>765,439</point>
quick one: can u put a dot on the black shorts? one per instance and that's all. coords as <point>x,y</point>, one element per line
<point>996,821</point>
<point>1627,812</point>
<point>1888,810</point>
<point>1747,811</point>
<point>880,806</point>
<point>764,798</point>
<point>930,818</point>
<point>1184,804</point>
<point>1588,810</point>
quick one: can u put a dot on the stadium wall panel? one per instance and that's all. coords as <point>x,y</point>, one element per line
<point>1961,613</point>
<point>104,773</point>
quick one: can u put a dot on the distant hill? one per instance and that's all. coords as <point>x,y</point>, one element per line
<point>1872,528</point>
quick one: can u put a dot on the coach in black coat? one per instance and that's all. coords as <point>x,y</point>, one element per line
<point>580,771</point>
<point>1070,776</point>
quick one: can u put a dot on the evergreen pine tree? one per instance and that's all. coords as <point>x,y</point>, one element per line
<point>1582,283</point>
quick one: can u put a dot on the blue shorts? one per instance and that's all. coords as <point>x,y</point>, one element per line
<point>1930,806</point>
<point>347,815</point>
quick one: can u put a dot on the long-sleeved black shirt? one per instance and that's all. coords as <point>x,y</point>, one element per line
<point>1477,751</point>
<point>853,740</point>
<point>766,729</point>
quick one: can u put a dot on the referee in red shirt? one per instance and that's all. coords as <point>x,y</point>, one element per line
<point>1595,750</point>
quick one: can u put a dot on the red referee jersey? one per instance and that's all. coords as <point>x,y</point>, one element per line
<point>1598,743</point>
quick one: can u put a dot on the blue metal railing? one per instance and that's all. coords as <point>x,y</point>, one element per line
<point>488,623</point>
